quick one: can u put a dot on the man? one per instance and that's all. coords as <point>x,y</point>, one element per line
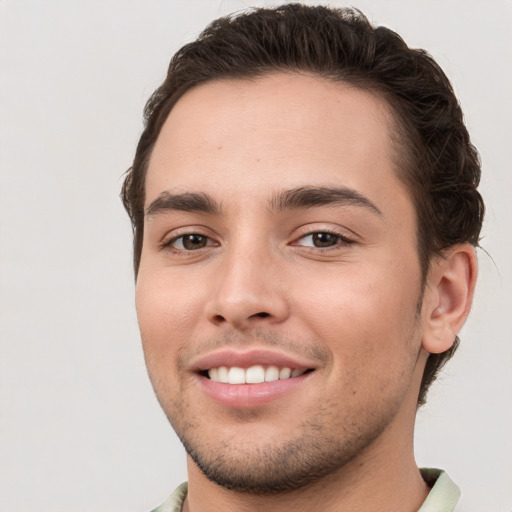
<point>305,214</point>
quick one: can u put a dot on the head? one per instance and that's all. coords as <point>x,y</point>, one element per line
<point>433,159</point>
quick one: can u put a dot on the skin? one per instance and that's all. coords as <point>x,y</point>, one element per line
<point>257,280</point>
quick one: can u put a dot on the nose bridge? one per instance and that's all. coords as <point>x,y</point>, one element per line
<point>247,287</point>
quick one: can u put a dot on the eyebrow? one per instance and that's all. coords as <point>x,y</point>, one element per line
<point>297,198</point>
<point>309,197</point>
<point>186,202</point>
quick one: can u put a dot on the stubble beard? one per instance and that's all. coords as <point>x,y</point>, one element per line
<point>324,445</point>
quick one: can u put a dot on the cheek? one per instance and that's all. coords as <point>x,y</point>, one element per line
<point>370,327</point>
<point>167,315</point>
<point>365,312</point>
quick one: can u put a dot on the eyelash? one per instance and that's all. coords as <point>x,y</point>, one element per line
<point>343,240</point>
<point>168,245</point>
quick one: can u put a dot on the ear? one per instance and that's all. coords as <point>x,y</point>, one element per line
<point>448,297</point>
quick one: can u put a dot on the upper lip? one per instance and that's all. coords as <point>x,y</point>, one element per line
<point>250,357</point>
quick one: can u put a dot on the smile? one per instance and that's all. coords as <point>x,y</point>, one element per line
<point>250,377</point>
<point>256,374</point>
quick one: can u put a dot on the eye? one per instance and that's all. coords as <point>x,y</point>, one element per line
<point>323,239</point>
<point>190,242</point>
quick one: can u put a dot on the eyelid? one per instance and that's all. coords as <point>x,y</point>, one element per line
<point>176,234</point>
<point>345,239</point>
<point>183,249</point>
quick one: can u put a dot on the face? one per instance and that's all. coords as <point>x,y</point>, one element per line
<point>279,281</point>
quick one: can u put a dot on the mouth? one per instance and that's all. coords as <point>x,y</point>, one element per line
<point>256,374</point>
<point>246,379</point>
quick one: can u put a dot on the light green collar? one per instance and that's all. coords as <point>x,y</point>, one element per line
<point>443,496</point>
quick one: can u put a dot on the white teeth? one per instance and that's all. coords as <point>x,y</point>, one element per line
<point>236,375</point>
<point>271,374</point>
<point>252,375</point>
<point>255,375</point>
<point>285,373</point>
<point>222,374</point>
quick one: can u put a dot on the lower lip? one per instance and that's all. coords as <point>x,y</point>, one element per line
<point>245,396</point>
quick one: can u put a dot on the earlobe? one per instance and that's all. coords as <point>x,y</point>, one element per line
<point>449,294</point>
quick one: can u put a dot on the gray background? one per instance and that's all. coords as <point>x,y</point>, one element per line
<point>80,428</point>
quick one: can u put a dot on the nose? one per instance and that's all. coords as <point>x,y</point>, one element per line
<point>247,291</point>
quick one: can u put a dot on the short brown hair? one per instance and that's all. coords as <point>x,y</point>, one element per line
<point>438,163</point>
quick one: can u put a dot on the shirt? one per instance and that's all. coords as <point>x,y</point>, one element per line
<point>443,495</point>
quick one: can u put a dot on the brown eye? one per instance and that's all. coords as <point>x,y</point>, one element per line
<point>190,242</point>
<point>324,239</point>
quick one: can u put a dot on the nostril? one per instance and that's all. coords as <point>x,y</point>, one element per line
<point>238,320</point>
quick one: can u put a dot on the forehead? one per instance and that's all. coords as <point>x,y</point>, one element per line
<point>279,130</point>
